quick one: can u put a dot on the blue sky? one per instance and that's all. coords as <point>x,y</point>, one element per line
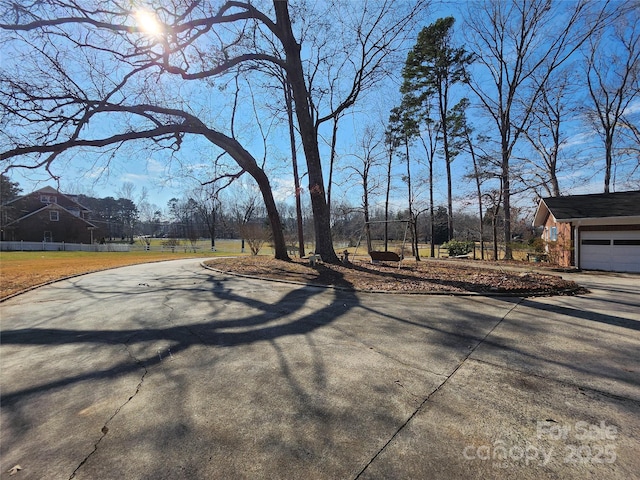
<point>164,177</point>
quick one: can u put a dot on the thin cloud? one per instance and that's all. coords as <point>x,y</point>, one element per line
<point>633,107</point>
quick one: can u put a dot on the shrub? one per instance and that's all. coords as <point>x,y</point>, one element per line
<point>537,244</point>
<point>458,247</point>
<point>171,242</point>
<point>256,235</point>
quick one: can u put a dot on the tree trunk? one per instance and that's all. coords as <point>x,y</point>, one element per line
<point>212,228</point>
<point>608,144</point>
<point>365,207</point>
<point>414,220</point>
<point>409,196</point>
<point>449,203</point>
<point>367,229</point>
<point>332,158</point>
<point>432,215</point>
<point>506,198</point>
<point>386,202</point>
<point>476,172</point>
<point>279,243</point>
<point>414,234</point>
<point>308,133</point>
<point>294,162</point>
<point>494,225</point>
<point>555,185</point>
<point>447,156</point>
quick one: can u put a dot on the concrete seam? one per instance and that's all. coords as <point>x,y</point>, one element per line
<point>105,428</point>
<point>424,402</point>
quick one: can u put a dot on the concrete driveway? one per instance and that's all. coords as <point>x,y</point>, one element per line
<point>169,370</point>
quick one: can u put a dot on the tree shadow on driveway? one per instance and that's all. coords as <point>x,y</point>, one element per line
<point>270,323</point>
<point>584,314</point>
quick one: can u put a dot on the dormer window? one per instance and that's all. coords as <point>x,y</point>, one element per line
<point>48,199</point>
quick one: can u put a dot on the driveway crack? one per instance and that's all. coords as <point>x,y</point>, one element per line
<point>105,427</point>
<point>437,389</point>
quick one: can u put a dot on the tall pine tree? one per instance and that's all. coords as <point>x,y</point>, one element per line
<point>434,65</point>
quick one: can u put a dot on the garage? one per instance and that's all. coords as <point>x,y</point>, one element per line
<point>599,231</point>
<point>615,251</point>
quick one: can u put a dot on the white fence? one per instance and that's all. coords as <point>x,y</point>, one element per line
<point>62,247</point>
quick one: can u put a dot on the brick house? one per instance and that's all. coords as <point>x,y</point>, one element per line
<point>596,232</point>
<point>47,215</point>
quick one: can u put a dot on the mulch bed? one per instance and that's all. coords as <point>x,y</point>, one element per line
<point>412,277</point>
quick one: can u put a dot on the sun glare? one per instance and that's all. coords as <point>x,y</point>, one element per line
<point>148,22</point>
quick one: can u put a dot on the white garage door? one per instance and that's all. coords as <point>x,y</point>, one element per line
<point>611,251</point>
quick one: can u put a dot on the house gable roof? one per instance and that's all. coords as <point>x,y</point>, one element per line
<point>51,206</point>
<point>48,190</point>
<point>595,206</point>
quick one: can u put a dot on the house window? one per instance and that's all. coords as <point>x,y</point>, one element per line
<point>54,215</point>
<point>48,237</point>
<point>627,243</point>
<point>48,199</point>
<point>553,234</point>
<point>595,242</point>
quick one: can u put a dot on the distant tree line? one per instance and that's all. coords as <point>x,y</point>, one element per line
<point>242,216</point>
<point>116,218</point>
<point>246,219</point>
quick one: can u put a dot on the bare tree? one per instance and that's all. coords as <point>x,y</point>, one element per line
<point>630,131</point>
<point>518,45</point>
<point>369,33</point>
<point>551,111</point>
<point>127,190</point>
<point>245,211</point>
<point>493,198</point>
<point>414,119</point>
<point>477,177</point>
<point>349,46</point>
<point>207,203</point>
<point>613,79</point>
<point>403,128</point>
<point>479,159</point>
<point>274,71</point>
<point>390,144</point>
<point>429,138</point>
<point>56,99</point>
<point>296,175</point>
<point>363,172</point>
<point>133,69</point>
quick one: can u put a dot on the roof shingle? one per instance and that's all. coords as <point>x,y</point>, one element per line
<point>600,205</point>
